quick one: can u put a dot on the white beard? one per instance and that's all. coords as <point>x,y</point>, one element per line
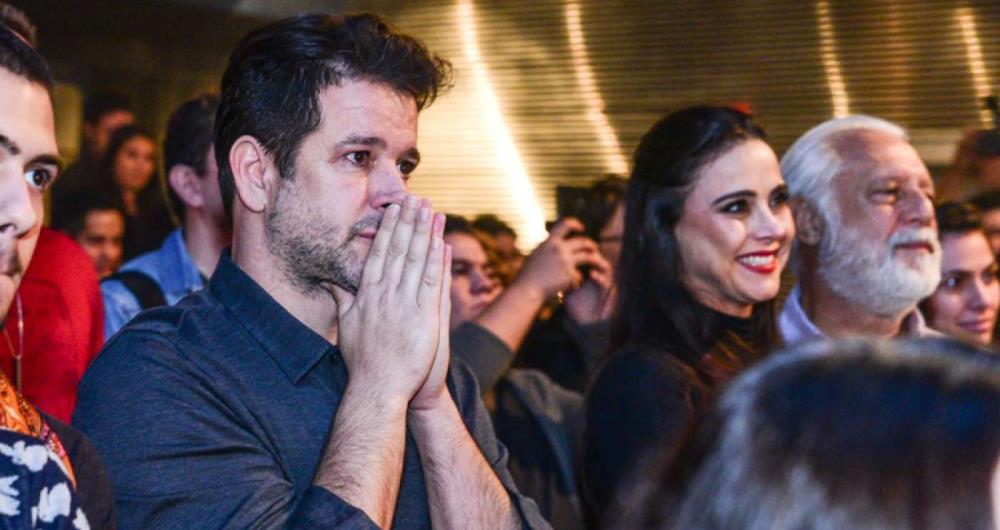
<point>872,277</point>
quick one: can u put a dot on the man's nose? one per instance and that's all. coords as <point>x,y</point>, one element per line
<point>387,187</point>
<point>17,215</point>
<point>919,209</point>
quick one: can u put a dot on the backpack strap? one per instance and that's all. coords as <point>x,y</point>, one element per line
<point>143,287</point>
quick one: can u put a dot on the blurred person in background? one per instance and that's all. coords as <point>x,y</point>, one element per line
<point>129,172</point>
<point>847,435</point>
<point>988,203</point>
<point>103,114</point>
<point>538,421</point>
<point>708,231</point>
<point>568,345</point>
<point>964,306</point>
<point>96,221</point>
<point>53,475</point>
<point>189,254</point>
<point>867,249</point>
<point>504,238</point>
<point>976,168</point>
<point>491,317</point>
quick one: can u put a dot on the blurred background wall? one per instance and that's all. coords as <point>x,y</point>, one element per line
<point>559,92</point>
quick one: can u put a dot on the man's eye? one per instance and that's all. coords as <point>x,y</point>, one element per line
<point>459,269</point>
<point>951,282</point>
<point>359,157</point>
<point>40,178</point>
<point>407,166</point>
<point>890,194</point>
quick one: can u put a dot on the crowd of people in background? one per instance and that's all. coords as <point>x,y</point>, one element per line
<point>254,324</point>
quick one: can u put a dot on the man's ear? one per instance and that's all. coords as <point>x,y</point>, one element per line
<point>254,173</point>
<point>183,179</point>
<point>809,224</point>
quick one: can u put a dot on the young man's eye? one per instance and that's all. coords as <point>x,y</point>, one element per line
<point>459,269</point>
<point>951,282</point>
<point>40,178</point>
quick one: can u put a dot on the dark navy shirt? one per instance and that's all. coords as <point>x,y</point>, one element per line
<point>215,413</point>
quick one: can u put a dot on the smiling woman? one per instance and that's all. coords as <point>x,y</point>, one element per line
<point>965,303</point>
<point>707,234</point>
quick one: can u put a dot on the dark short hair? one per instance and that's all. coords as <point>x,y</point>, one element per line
<point>271,87</point>
<point>603,198</point>
<point>653,304</point>
<point>493,225</point>
<point>19,23</point>
<point>19,58</point>
<point>987,200</point>
<point>456,224</point>
<point>190,133</point>
<point>100,104</point>
<point>958,218</point>
<point>848,434</point>
<point>86,200</point>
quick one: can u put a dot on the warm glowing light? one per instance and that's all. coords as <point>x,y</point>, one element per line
<point>831,63</point>
<point>531,224</point>
<point>977,67</point>
<point>611,150</point>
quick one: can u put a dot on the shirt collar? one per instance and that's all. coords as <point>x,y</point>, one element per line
<point>181,274</point>
<point>294,347</point>
<point>795,326</point>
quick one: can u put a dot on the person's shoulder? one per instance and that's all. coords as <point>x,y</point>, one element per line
<point>165,328</point>
<point>645,357</point>
<point>150,263</point>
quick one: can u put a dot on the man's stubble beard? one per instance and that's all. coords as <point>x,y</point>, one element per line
<point>313,255</point>
<point>872,277</point>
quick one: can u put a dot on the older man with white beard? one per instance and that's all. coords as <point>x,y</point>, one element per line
<point>867,248</point>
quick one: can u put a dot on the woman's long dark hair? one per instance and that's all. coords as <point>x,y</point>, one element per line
<point>154,191</point>
<point>654,308</point>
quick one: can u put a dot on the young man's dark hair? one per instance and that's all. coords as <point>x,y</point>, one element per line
<point>100,103</point>
<point>73,221</point>
<point>190,133</point>
<point>19,23</point>
<point>271,87</point>
<point>19,58</point>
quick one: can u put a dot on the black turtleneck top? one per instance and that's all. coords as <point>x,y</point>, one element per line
<point>641,404</point>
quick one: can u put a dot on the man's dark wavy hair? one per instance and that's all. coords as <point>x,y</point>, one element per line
<point>19,58</point>
<point>190,132</point>
<point>270,89</point>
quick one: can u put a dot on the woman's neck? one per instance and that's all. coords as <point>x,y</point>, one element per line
<point>131,203</point>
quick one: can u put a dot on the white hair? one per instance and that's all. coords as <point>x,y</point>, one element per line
<point>812,162</point>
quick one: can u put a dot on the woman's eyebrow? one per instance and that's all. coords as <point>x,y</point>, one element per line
<point>734,195</point>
